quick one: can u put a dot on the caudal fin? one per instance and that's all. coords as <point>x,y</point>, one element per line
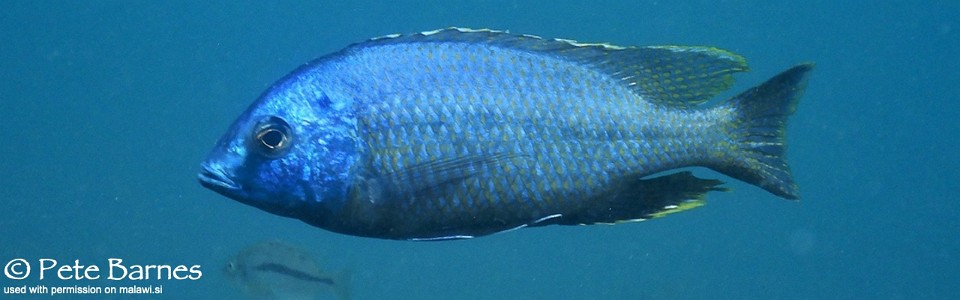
<point>758,131</point>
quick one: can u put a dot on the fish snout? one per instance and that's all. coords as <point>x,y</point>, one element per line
<point>217,178</point>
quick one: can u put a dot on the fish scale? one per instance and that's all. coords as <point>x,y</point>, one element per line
<point>458,133</point>
<point>560,157</point>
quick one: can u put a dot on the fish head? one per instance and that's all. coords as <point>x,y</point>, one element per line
<point>232,269</point>
<point>289,153</point>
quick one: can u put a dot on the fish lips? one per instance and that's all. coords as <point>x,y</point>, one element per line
<point>219,180</point>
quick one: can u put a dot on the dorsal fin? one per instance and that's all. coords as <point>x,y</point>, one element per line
<point>674,75</point>
<point>677,75</point>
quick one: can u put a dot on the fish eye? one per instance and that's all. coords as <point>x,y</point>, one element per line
<point>272,136</point>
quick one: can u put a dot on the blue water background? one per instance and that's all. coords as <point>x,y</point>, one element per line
<point>108,107</point>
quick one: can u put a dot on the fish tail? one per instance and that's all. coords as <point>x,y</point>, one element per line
<point>758,132</point>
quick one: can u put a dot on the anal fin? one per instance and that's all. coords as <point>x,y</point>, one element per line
<point>641,199</point>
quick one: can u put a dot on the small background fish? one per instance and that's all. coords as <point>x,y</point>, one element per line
<point>277,270</point>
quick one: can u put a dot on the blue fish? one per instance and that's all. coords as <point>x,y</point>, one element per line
<point>459,133</point>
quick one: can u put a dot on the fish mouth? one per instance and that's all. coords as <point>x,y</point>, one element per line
<point>217,179</point>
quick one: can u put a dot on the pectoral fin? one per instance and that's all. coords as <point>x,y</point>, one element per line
<point>433,178</point>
